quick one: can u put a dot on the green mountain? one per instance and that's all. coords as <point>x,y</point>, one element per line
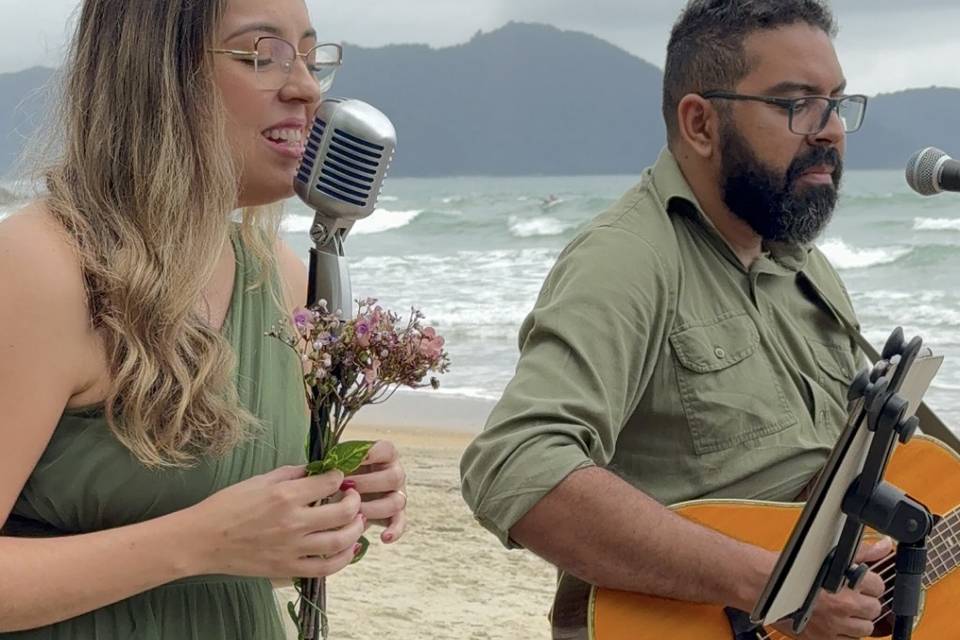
<point>23,106</point>
<point>530,99</point>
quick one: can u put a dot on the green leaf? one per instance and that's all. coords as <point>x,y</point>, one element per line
<point>364,545</point>
<point>346,457</point>
<point>292,610</point>
<point>316,468</point>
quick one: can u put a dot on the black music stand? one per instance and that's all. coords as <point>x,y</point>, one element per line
<point>851,494</point>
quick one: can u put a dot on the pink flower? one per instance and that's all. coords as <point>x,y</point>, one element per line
<point>431,345</point>
<point>372,373</point>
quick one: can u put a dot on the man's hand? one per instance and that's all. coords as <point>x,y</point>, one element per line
<point>849,613</point>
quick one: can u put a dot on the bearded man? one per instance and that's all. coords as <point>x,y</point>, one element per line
<point>677,350</point>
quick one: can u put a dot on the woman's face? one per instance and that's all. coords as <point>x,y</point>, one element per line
<point>267,121</point>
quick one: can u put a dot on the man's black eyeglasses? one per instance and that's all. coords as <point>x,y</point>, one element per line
<point>809,115</point>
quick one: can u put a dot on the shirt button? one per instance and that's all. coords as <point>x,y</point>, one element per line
<point>720,353</point>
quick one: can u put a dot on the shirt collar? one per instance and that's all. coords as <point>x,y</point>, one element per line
<point>675,196</point>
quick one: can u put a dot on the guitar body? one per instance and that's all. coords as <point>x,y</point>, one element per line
<point>925,469</point>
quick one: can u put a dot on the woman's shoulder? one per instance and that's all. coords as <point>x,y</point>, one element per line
<point>45,346</point>
<point>42,282</point>
<point>36,251</point>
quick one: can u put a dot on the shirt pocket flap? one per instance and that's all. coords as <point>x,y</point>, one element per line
<point>833,359</point>
<point>717,346</point>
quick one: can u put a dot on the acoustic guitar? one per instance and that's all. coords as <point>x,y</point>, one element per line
<point>924,468</point>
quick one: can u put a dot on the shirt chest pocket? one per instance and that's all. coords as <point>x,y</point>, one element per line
<point>836,368</point>
<point>728,388</point>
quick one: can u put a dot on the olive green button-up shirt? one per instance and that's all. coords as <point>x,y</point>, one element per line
<point>651,351</point>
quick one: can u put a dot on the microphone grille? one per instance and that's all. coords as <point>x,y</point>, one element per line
<point>923,171</point>
<point>312,151</point>
<point>350,168</point>
<point>345,159</point>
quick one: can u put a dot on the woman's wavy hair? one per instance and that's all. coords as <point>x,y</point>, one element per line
<point>144,186</point>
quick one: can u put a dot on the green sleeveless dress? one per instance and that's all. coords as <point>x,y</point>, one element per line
<point>86,481</point>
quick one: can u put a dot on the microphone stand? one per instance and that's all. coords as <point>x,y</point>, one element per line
<point>329,280</point>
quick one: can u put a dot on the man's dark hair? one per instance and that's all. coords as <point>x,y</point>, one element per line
<point>706,45</point>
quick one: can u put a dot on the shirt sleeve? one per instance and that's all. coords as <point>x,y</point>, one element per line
<point>587,351</point>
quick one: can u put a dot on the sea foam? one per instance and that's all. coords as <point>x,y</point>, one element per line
<point>538,226</point>
<point>845,256</point>
<point>379,221</point>
<point>936,224</point>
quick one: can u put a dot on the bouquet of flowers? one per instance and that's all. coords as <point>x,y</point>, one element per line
<point>346,366</point>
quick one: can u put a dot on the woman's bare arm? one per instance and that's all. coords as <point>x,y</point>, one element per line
<point>263,526</point>
<point>44,345</point>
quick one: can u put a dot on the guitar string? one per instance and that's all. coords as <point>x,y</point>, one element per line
<point>777,635</point>
<point>939,536</point>
<point>954,559</point>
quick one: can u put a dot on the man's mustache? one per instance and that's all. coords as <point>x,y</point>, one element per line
<point>817,157</point>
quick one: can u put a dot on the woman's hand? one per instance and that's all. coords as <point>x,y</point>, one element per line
<point>265,526</point>
<point>381,481</point>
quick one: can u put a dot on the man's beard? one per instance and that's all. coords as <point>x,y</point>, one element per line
<point>773,204</point>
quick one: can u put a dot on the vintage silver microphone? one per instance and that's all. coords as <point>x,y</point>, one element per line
<point>347,156</point>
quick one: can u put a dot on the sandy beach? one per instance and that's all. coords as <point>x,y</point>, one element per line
<point>447,578</point>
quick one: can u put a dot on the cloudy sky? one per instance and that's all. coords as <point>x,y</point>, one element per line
<point>884,45</point>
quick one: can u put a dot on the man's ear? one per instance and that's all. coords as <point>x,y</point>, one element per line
<point>698,124</point>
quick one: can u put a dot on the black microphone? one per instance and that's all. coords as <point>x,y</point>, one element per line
<point>931,171</point>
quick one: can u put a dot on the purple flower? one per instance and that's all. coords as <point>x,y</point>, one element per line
<point>362,332</point>
<point>303,319</point>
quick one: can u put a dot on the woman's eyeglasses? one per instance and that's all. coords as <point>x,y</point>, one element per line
<point>273,60</point>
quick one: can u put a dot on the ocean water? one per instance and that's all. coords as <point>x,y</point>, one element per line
<point>473,252</point>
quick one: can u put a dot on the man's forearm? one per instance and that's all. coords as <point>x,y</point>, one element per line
<point>602,530</point>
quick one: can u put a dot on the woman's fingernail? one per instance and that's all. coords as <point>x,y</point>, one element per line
<point>347,485</point>
<point>356,548</point>
<point>388,537</point>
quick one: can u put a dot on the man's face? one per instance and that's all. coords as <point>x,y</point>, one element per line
<point>783,185</point>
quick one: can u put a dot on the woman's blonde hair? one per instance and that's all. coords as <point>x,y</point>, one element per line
<point>144,186</point>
